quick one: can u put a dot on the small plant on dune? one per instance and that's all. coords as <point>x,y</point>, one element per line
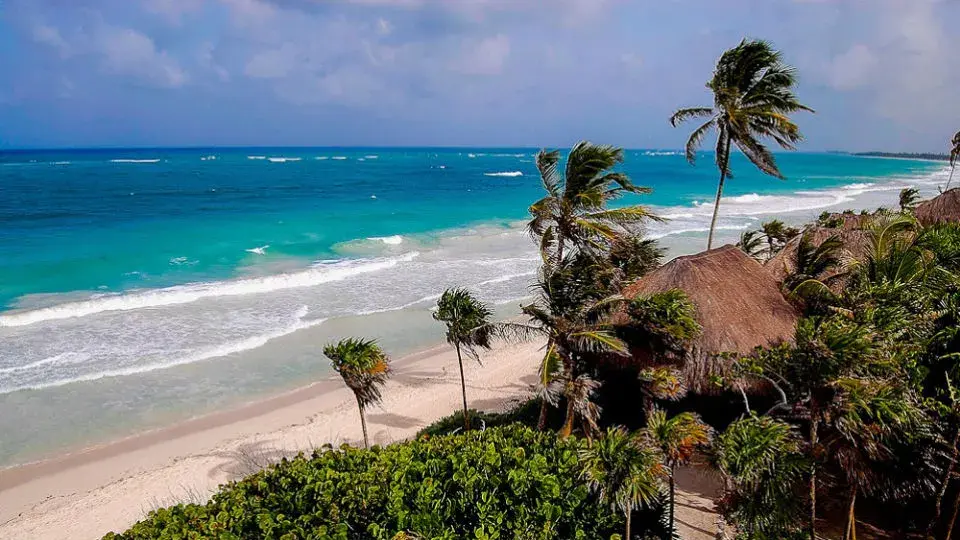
<point>753,94</point>
<point>364,368</point>
<point>468,329</point>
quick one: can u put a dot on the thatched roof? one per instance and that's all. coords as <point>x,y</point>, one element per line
<point>944,208</point>
<point>855,245</point>
<point>738,304</point>
<point>849,221</point>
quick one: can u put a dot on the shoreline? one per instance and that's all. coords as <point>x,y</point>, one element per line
<point>115,484</point>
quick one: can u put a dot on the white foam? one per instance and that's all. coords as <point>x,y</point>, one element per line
<point>656,236</point>
<point>339,158</point>
<point>257,157</point>
<point>282,159</point>
<point>321,158</point>
<point>208,158</point>
<point>507,174</point>
<point>372,157</point>
<point>505,278</point>
<point>181,261</point>
<point>389,240</point>
<point>134,161</point>
<point>217,351</point>
<point>184,294</point>
<point>262,250</point>
<point>660,153</point>
<point>60,163</point>
<point>66,358</point>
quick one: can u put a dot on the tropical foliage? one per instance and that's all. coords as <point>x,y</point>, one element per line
<point>753,98</point>
<point>364,368</point>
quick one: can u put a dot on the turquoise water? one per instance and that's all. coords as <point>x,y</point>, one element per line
<point>138,287</point>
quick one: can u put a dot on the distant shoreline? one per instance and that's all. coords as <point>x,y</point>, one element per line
<point>901,155</point>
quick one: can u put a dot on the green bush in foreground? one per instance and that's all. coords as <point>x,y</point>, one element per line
<point>505,483</point>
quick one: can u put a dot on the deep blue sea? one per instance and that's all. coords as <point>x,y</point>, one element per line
<point>130,272</point>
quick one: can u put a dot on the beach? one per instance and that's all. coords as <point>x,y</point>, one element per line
<point>108,488</point>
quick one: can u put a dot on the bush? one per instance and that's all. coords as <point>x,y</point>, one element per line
<point>509,482</point>
<point>525,413</point>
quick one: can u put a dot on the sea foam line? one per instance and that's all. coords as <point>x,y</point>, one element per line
<point>185,294</point>
<point>510,174</point>
<point>134,161</point>
<point>226,349</point>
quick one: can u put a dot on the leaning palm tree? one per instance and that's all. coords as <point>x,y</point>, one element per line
<point>625,471</point>
<point>753,94</point>
<point>364,367</point>
<point>574,212</point>
<point>468,329</point>
<point>954,156</point>
<point>908,199</point>
<point>678,438</point>
<point>751,243</point>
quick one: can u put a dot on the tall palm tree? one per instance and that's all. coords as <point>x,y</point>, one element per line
<point>574,212</point>
<point>954,156</point>
<point>677,438</point>
<point>365,368</point>
<point>753,95</point>
<point>751,243</point>
<point>623,470</point>
<point>468,329</point>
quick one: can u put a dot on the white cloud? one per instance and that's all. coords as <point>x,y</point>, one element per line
<point>275,63</point>
<point>853,68</point>
<point>129,52</point>
<point>205,59</point>
<point>486,57</point>
<point>50,36</point>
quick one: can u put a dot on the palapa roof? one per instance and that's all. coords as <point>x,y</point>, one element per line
<point>738,304</point>
<point>944,208</point>
<point>850,221</point>
<point>856,242</point>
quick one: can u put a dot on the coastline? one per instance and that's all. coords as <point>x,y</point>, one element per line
<point>116,484</point>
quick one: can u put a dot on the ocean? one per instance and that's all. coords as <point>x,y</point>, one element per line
<point>142,287</point>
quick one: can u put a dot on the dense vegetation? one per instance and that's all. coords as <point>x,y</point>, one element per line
<point>509,482</point>
<point>857,411</point>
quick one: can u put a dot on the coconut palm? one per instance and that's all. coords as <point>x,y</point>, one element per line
<point>954,156</point>
<point>365,368</point>
<point>468,329</point>
<point>751,243</point>
<point>677,438</point>
<point>549,384</point>
<point>908,199</point>
<point>753,94</point>
<point>777,234</point>
<point>625,471</point>
<point>574,213</point>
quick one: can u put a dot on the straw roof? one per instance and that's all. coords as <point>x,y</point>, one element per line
<point>738,304</point>
<point>855,245</point>
<point>944,208</point>
<point>849,221</point>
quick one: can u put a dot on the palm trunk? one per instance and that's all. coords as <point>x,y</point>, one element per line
<point>542,421</point>
<point>716,204</point>
<point>851,533</point>
<point>363,423</point>
<point>567,428</point>
<point>463,389</point>
<point>628,512</point>
<point>953,518</point>
<point>945,484</point>
<point>813,474</point>
<point>673,491</point>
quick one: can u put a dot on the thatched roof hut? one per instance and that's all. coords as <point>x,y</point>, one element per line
<point>738,304</point>
<point>856,242</point>
<point>847,221</point>
<point>944,208</point>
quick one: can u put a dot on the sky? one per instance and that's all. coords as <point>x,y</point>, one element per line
<point>531,73</point>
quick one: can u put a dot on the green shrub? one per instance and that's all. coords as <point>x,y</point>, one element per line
<point>503,483</point>
<point>525,413</point>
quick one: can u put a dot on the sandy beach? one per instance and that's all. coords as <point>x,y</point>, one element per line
<point>109,487</point>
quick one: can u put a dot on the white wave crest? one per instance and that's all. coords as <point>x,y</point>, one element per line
<point>339,158</point>
<point>506,277</point>
<point>134,161</point>
<point>282,159</point>
<point>217,351</point>
<point>656,236</point>
<point>66,358</point>
<point>321,158</point>
<point>60,163</point>
<point>262,250</point>
<point>184,294</point>
<point>372,157</point>
<point>258,158</point>
<point>510,174</point>
<point>208,158</point>
<point>389,240</point>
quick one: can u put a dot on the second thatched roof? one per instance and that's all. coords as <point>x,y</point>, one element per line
<point>944,208</point>
<point>738,304</point>
<point>856,243</point>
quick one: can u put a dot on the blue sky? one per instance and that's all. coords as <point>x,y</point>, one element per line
<point>458,72</point>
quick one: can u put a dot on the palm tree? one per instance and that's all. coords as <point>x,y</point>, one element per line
<point>364,367</point>
<point>954,156</point>
<point>678,438</point>
<point>624,471</point>
<point>468,329</point>
<point>753,95</point>
<point>908,199</point>
<point>549,384</point>
<point>751,243</point>
<point>574,212</point>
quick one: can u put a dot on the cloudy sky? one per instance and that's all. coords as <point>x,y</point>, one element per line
<point>880,73</point>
